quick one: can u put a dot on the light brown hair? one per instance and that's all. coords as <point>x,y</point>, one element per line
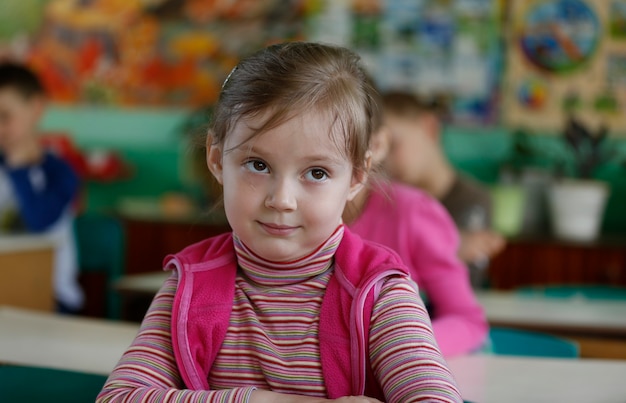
<point>295,77</point>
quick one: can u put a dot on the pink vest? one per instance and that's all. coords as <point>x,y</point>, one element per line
<point>204,299</point>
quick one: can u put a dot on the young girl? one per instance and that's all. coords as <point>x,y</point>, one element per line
<point>290,306</point>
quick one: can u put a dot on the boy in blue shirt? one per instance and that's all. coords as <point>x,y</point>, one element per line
<point>37,188</point>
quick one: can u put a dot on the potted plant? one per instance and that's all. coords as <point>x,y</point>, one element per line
<point>576,200</point>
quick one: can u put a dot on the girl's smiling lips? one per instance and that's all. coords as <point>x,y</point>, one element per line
<point>277,229</point>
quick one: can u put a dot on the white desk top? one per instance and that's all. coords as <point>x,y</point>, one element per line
<point>577,314</point>
<point>502,379</point>
<point>502,308</point>
<point>94,346</point>
<point>144,283</point>
<point>64,342</point>
<point>24,242</point>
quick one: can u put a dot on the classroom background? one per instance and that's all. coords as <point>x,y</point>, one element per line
<point>132,83</point>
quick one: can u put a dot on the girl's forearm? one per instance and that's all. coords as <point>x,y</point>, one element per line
<point>265,396</point>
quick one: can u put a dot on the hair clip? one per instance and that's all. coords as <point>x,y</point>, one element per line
<point>228,76</point>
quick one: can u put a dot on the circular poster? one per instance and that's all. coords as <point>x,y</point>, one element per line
<point>560,35</point>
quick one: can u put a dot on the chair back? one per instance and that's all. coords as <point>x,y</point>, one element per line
<point>508,341</point>
<point>32,384</point>
<point>101,249</point>
<point>585,291</point>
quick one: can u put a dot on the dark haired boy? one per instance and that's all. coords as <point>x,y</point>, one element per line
<point>37,188</point>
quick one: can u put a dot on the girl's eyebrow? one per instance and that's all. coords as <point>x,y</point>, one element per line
<point>333,158</point>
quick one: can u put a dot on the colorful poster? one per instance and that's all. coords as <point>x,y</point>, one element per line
<point>137,52</point>
<point>442,49</point>
<point>574,54</point>
<point>177,52</point>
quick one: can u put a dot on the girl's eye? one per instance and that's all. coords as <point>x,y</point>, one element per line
<point>317,174</point>
<point>256,166</point>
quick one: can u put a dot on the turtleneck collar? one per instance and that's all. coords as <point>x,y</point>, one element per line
<point>265,272</point>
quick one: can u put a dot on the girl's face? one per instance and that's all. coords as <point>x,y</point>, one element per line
<point>284,190</point>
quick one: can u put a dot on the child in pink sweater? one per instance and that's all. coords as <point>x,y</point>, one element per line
<point>421,231</point>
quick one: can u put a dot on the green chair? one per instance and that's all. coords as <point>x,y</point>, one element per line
<point>508,341</point>
<point>31,384</point>
<point>101,249</point>
<point>588,291</point>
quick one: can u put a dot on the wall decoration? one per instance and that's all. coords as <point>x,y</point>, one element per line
<point>533,93</point>
<point>20,18</point>
<point>137,52</point>
<point>446,49</point>
<point>574,46</point>
<point>617,19</point>
<point>177,52</point>
<point>559,35</point>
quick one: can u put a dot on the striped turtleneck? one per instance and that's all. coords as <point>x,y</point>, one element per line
<point>272,336</point>
<point>267,273</point>
<point>272,340</point>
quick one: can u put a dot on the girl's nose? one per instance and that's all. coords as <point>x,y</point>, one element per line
<point>281,196</point>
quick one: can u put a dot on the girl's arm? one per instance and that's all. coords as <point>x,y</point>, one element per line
<point>404,355</point>
<point>147,371</point>
<point>458,320</point>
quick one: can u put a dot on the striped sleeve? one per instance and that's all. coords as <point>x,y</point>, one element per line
<point>405,357</point>
<point>147,371</point>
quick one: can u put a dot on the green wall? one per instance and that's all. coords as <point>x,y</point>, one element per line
<point>151,140</point>
<point>154,142</point>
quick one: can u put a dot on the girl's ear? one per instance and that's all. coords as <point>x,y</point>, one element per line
<point>214,159</point>
<point>359,178</point>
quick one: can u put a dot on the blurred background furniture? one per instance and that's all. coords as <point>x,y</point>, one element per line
<point>66,342</point>
<point>578,291</point>
<point>498,378</point>
<point>78,353</point>
<point>161,234</point>
<point>101,250</point>
<point>26,264</point>
<point>544,260</point>
<point>508,341</point>
<point>32,384</point>
<point>597,325</point>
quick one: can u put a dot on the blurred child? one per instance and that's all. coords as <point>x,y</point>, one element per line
<point>417,158</point>
<point>420,230</point>
<point>290,306</point>
<point>37,189</point>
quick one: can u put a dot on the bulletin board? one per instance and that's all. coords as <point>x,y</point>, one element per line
<point>177,52</point>
<point>565,57</point>
<point>138,52</point>
<point>450,50</point>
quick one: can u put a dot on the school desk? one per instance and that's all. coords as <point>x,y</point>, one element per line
<point>93,346</point>
<point>607,317</point>
<point>507,379</point>
<point>41,339</point>
<point>599,326</point>
<point>26,263</point>
<point>503,308</point>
